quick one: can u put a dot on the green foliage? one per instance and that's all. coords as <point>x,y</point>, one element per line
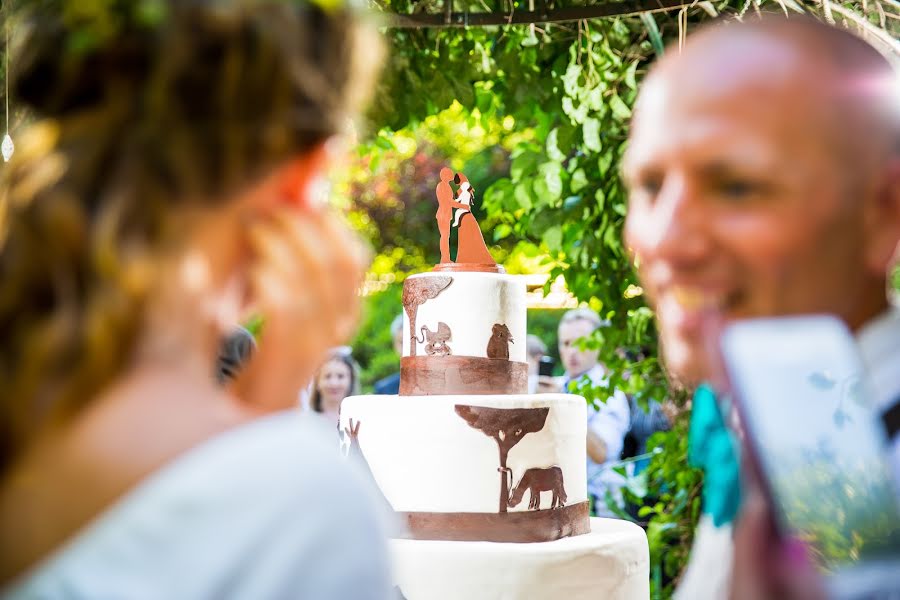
<point>544,323</point>
<point>668,492</point>
<point>373,345</point>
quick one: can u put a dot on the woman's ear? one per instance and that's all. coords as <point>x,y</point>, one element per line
<point>302,182</point>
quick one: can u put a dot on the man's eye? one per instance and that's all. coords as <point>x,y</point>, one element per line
<point>737,189</point>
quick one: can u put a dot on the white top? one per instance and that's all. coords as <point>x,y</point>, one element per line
<point>267,510</point>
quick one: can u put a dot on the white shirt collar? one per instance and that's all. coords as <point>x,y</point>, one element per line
<point>879,344</point>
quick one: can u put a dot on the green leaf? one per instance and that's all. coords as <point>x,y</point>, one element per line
<point>591,133</point>
<point>603,163</point>
<point>630,75</point>
<point>570,79</point>
<point>653,31</point>
<point>553,238</point>
<point>600,197</point>
<point>619,108</point>
<point>553,151</point>
<point>523,166</point>
<point>501,231</point>
<point>523,196</point>
<point>551,174</point>
<point>579,180</point>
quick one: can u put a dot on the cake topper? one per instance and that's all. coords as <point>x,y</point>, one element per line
<point>537,481</point>
<point>507,426</point>
<point>471,252</point>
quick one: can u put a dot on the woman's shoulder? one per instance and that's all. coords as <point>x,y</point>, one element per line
<point>250,510</point>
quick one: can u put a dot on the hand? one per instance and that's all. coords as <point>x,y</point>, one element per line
<point>671,410</point>
<point>547,385</point>
<point>766,566</point>
<point>352,429</point>
<point>305,271</point>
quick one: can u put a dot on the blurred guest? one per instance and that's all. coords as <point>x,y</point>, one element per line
<point>166,187</point>
<point>608,421</point>
<point>337,378</point>
<point>535,349</point>
<point>391,383</point>
<point>764,175</point>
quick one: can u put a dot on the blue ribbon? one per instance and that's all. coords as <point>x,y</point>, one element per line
<point>713,448</point>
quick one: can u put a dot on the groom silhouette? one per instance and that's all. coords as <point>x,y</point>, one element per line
<point>444,214</point>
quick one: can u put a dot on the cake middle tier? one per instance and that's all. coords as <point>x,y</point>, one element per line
<point>491,467</point>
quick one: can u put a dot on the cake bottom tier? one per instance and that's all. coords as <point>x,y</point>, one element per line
<point>611,562</point>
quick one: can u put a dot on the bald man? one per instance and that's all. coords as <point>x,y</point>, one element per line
<point>764,178</point>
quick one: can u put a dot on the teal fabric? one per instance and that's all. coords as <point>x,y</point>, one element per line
<point>713,448</point>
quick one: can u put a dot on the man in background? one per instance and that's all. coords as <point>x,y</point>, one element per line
<point>607,422</point>
<point>391,384</point>
<point>764,176</point>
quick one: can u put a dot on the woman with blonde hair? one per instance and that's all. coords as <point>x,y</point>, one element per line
<point>167,188</point>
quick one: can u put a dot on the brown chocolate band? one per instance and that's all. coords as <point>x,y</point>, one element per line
<point>518,527</point>
<point>465,375</point>
<point>454,267</point>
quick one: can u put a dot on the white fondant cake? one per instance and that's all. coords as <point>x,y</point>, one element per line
<point>490,483</point>
<point>425,457</point>
<point>610,563</point>
<point>470,306</point>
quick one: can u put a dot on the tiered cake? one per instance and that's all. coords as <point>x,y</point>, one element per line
<point>489,481</point>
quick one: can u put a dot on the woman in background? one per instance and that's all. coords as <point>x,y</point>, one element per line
<point>337,378</point>
<point>167,187</point>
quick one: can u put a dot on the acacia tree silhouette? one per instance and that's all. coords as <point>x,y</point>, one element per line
<point>507,426</point>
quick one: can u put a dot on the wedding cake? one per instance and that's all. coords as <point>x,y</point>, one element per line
<point>489,482</point>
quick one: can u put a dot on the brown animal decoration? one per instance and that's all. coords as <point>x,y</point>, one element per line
<point>436,341</point>
<point>536,481</point>
<point>416,291</point>
<point>498,345</point>
<point>507,426</point>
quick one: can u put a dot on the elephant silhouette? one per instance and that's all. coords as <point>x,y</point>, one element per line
<point>549,479</point>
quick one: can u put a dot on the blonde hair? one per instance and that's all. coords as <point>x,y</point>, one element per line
<point>151,122</point>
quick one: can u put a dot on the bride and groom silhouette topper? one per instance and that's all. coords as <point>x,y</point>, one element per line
<point>455,210</point>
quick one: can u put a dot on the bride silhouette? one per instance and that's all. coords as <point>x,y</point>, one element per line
<point>470,246</point>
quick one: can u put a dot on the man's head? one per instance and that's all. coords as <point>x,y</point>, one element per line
<point>397,334</point>
<point>447,175</point>
<point>764,176</point>
<point>574,325</point>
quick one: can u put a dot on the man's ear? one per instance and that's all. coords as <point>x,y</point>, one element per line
<point>883,239</point>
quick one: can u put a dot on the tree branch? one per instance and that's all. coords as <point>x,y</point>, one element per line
<point>575,13</point>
